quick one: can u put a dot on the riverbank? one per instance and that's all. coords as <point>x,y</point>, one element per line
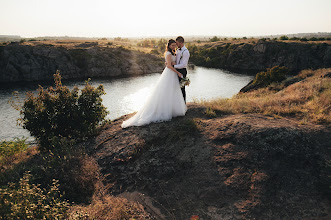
<point>80,59</point>
<point>256,55</point>
<point>38,61</point>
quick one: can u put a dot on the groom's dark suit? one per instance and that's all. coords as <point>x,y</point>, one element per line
<point>184,72</point>
<point>182,58</point>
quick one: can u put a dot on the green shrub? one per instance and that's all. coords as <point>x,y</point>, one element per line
<point>58,112</point>
<point>28,201</point>
<point>313,39</point>
<point>274,74</point>
<point>303,39</point>
<point>214,39</point>
<point>283,37</point>
<point>9,148</point>
<point>210,112</point>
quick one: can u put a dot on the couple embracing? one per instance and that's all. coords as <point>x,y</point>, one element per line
<point>167,99</point>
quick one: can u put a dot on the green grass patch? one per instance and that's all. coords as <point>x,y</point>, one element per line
<point>9,148</point>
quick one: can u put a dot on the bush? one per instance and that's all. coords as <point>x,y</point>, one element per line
<point>58,112</point>
<point>303,39</point>
<point>283,37</point>
<point>274,74</point>
<point>214,39</point>
<point>28,201</point>
<point>313,39</point>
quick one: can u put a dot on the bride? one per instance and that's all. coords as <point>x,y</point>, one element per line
<point>166,100</point>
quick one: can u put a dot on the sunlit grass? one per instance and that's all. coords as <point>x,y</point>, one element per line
<point>10,148</point>
<point>308,100</point>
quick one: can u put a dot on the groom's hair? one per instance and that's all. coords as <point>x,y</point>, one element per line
<point>180,39</point>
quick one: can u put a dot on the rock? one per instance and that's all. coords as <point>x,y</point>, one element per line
<point>257,57</point>
<point>244,166</point>
<point>40,62</point>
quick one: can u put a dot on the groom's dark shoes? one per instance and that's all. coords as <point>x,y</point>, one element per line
<point>184,72</point>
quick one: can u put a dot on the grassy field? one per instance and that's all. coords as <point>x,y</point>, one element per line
<point>308,100</point>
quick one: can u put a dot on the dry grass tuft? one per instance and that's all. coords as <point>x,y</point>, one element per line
<point>110,208</point>
<point>308,100</point>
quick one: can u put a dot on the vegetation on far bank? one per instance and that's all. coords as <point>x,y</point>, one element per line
<point>306,97</point>
<point>157,46</point>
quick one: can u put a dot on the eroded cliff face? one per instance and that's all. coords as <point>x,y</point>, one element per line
<point>19,63</point>
<point>256,57</point>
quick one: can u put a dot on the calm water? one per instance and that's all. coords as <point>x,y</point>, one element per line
<point>127,95</point>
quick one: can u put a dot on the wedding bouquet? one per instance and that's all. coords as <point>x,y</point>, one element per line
<point>184,82</point>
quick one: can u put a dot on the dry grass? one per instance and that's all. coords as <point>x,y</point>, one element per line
<point>70,44</point>
<point>8,162</point>
<point>110,208</point>
<point>308,100</point>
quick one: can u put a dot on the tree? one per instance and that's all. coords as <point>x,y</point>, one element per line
<point>214,39</point>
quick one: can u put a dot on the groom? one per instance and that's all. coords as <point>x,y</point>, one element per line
<point>182,58</point>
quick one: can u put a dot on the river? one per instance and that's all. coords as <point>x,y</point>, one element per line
<point>126,95</point>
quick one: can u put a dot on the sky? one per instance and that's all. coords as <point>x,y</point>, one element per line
<point>143,18</point>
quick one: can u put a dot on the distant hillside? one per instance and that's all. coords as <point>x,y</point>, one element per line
<point>255,56</point>
<point>5,38</point>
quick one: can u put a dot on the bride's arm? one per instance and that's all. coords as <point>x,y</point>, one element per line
<point>168,58</point>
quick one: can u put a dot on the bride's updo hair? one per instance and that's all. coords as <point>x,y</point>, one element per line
<point>168,46</point>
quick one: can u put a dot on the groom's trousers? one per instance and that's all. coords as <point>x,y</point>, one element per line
<point>184,72</point>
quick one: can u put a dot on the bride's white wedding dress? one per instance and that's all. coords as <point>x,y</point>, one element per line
<point>165,101</point>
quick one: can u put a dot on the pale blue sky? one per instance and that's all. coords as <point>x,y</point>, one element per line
<point>101,18</point>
